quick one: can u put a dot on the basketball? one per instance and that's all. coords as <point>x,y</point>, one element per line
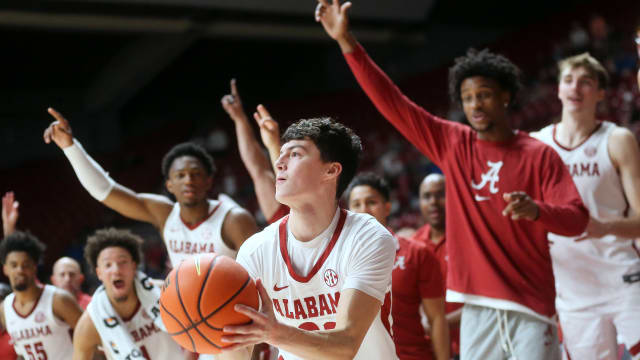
<point>198,299</point>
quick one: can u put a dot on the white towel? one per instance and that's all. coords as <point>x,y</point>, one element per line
<point>114,335</point>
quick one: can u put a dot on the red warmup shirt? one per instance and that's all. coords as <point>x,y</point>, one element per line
<point>83,299</point>
<point>6,347</point>
<point>416,276</point>
<point>493,260</point>
<point>440,252</point>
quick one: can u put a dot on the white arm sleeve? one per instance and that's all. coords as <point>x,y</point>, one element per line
<point>91,175</point>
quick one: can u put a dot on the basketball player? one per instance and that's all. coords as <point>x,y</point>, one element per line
<point>323,273</point>
<point>191,224</point>
<point>259,167</point>
<point>38,318</point>
<point>499,263</point>
<point>597,277</point>
<point>67,275</point>
<point>114,255</point>
<point>432,234</point>
<point>416,280</point>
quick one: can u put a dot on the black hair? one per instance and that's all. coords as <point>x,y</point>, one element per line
<point>22,241</point>
<point>188,149</point>
<point>486,64</point>
<point>373,180</point>
<point>110,237</point>
<point>336,142</point>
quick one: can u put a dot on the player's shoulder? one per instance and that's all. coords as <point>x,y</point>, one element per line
<point>544,133</point>
<point>261,239</point>
<point>365,229</point>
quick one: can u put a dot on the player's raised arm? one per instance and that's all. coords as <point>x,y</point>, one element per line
<point>259,167</point>
<point>429,134</point>
<point>150,208</point>
<point>9,213</point>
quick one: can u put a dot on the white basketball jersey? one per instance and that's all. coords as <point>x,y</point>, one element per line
<point>590,272</point>
<point>183,241</point>
<point>354,252</point>
<point>38,335</point>
<point>152,342</point>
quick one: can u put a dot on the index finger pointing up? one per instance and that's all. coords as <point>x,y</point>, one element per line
<point>59,117</point>
<point>234,88</point>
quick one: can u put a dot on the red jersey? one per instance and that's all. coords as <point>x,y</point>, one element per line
<point>6,347</point>
<point>83,299</point>
<point>494,261</point>
<point>440,252</point>
<point>416,275</point>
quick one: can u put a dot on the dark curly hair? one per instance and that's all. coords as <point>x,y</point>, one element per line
<point>377,182</point>
<point>22,241</point>
<point>109,237</point>
<point>487,64</point>
<point>188,149</point>
<point>336,142</point>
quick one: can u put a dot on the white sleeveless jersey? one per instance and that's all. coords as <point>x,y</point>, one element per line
<point>354,252</point>
<point>38,335</point>
<point>152,342</point>
<point>183,241</point>
<point>590,272</point>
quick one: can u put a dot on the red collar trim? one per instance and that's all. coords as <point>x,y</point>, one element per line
<point>194,226</point>
<point>30,311</point>
<point>323,257</point>
<point>434,245</point>
<point>577,146</point>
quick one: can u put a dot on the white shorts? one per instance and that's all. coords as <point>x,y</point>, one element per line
<point>595,333</point>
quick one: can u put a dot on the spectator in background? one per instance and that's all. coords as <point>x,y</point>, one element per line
<point>67,274</point>
<point>432,234</point>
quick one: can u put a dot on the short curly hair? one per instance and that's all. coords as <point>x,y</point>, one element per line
<point>486,64</point>
<point>111,237</point>
<point>22,241</point>
<point>336,142</point>
<point>188,149</point>
<point>375,181</point>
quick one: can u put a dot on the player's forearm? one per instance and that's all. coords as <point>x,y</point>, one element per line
<point>566,220</point>
<point>250,150</point>
<point>626,228</point>
<point>329,344</point>
<point>440,337</point>
<point>91,175</point>
<point>347,43</point>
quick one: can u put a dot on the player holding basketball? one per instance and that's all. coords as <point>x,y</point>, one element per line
<point>123,315</point>
<point>38,318</point>
<point>323,272</point>
<point>259,167</point>
<point>505,191</point>
<point>597,274</point>
<point>416,281</point>
<point>191,224</point>
<point>432,234</point>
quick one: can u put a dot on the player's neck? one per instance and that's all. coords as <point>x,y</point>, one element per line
<point>29,295</point>
<point>436,235</point>
<point>575,128</point>
<point>125,309</point>
<point>308,221</point>
<point>194,214</point>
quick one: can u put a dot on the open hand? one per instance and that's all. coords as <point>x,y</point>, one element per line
<point>9,213</point>
<point>59,131</point>
<point>333,17</point>
<point>520,206</point>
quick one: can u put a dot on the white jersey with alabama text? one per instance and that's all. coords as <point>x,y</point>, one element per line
<point>590,272</point>
<point>152,342</point>
<point>183,241</point>
<point>39,334</point>
<point>305,279</point>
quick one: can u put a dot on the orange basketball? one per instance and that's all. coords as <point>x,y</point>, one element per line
<point>198,298</point>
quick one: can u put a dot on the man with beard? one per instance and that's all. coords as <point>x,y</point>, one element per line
<point>38,318</point>
<point>191,224</point>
